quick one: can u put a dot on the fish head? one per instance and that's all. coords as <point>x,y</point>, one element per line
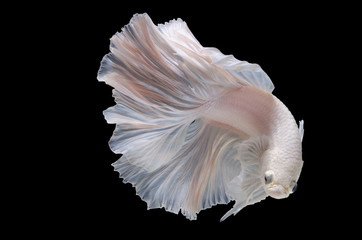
<point>280,174</point>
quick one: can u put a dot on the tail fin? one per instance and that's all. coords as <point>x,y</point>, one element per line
<point>165,80</point>
<point>156,101</point>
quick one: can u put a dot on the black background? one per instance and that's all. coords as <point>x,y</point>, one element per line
<point>79,193</point>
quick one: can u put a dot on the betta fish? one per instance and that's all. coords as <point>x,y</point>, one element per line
<point>196,127</point>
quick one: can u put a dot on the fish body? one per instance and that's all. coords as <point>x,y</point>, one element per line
<point>196,127</point>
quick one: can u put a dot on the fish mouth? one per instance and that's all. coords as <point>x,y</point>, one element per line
<point>277,191</point>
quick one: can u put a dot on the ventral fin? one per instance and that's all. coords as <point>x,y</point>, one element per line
<point>197,176</point>
<point>247,187</point>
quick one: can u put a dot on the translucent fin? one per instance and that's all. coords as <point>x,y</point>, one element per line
<point>162,65</point>
<point>245,72</point>
<point>155,99</point>
<point>301,129</point>
<point>196,177</point>
<point>247,188</point>
<point>178,34</point>
<point>148,136</point>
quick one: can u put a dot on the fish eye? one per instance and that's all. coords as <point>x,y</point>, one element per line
<point>268,177</point>
<point>293,187</point>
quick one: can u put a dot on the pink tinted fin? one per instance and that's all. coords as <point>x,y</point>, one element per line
<point>156,98</point>
<point>195,178</point>
<point>246,73</point>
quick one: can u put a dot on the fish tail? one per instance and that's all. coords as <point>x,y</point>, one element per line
<point>156,90</point>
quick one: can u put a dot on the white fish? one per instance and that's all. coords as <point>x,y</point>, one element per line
<point>196,127</point>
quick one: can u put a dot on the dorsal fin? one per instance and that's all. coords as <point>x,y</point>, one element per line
<point>248,73</point>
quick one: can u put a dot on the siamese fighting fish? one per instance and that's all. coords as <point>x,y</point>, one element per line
<point>196,127</point>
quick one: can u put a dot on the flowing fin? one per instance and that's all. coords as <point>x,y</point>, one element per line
<point>246,73</point>
<point>178,34</point>
<point>155,99</point>
<point>196,177</point>
<point>148,136</point>
<point>247,188</point>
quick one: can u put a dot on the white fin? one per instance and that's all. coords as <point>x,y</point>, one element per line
<point>247,73</point>
<point>195,178</point>
<point>247,188</point>
<point>177,32</point>
<point>157,92</point>
<point>148,136</point>
<point>301,129</point>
